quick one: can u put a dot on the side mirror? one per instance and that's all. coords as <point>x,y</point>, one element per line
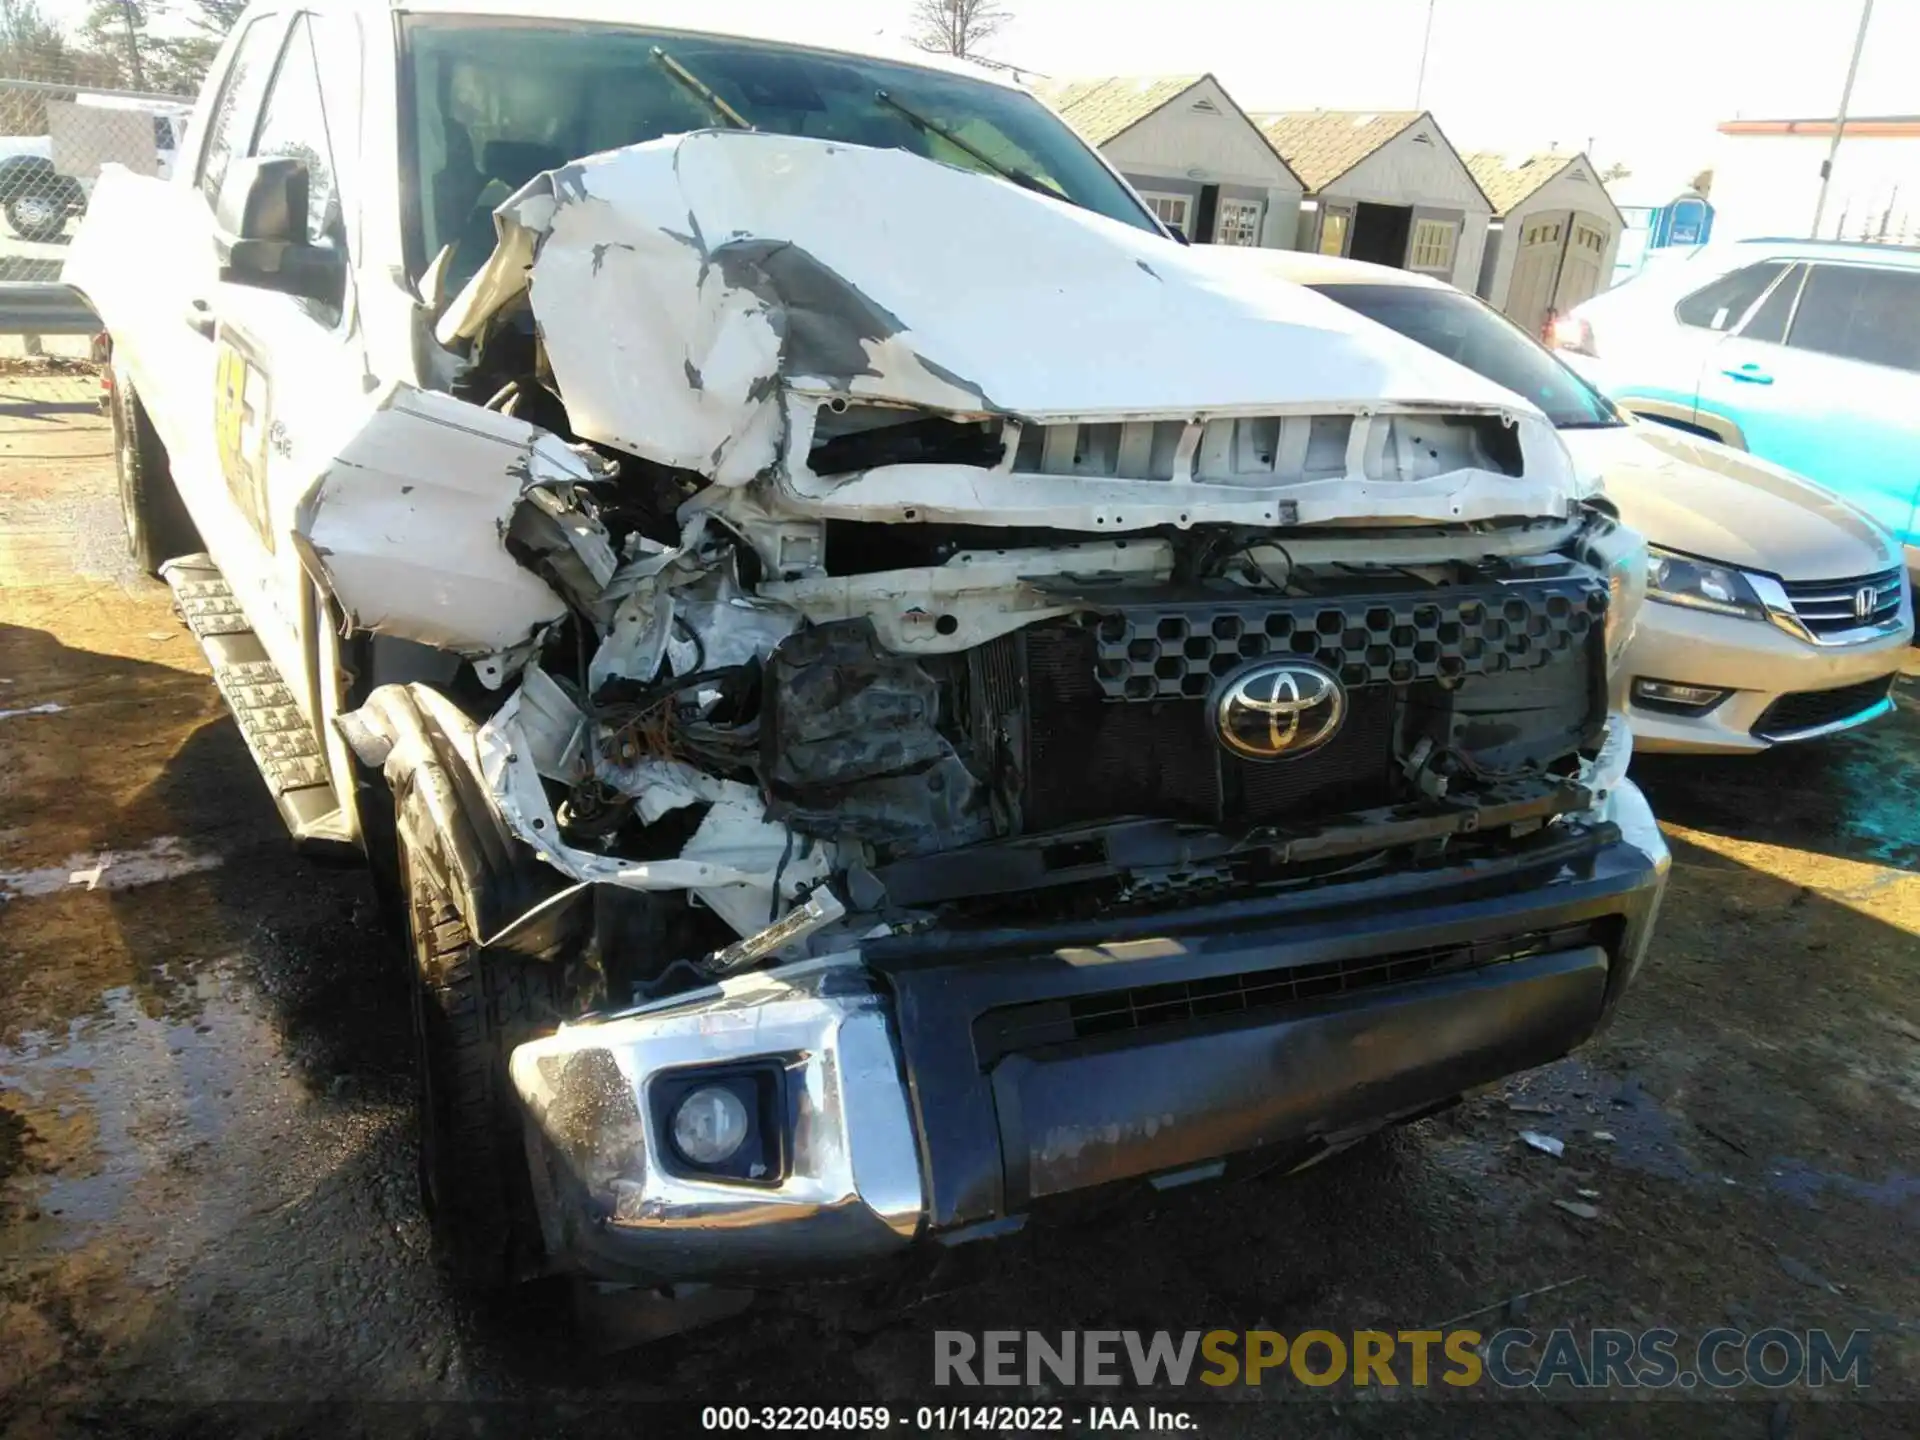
<point>260,223</point>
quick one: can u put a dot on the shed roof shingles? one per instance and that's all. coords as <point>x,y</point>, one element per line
<point>1104,108</point>
<point>1322,145</point>
<point>1506,182</point>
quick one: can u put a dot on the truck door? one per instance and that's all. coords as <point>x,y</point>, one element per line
<point>145,258</point>
<point>290,375</point>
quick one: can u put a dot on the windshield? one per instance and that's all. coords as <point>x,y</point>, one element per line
<point>490,104</point>
<point>1470,334</point>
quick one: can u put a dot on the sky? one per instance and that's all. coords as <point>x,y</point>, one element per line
<point>1640,82</point>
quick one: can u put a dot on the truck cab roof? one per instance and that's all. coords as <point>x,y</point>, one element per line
<point>798,26</point>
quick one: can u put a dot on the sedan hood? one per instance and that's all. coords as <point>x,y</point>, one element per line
<point>685,288</point>
<point>1706,499</point>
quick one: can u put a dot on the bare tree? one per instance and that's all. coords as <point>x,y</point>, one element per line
<point>957,27</point>
<point>1616,171</point>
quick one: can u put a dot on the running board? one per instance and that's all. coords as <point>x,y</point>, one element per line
<point>278,736</point>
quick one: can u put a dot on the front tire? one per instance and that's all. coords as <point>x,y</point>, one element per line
<point>37,218</point>
<point>157,524</point>
<point>469,1011</point>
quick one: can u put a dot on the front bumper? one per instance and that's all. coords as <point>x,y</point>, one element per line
<point>948,1086</point>
<point>1757,662</point>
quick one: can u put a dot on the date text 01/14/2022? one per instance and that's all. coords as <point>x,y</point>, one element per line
<point>942,1418</point>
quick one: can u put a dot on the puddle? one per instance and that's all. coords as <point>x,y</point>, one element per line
<point>1801,1182</point>
<point>106,1121</point>
<point>162,859</point>
<point>48,707</point>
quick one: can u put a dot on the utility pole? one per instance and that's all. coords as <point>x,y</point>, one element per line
<point>134,72</point>
<point>1840,120</point>
<point>1420,83</point>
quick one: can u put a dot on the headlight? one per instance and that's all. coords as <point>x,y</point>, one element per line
<point>1701,585</point>
<point>710,1125</point>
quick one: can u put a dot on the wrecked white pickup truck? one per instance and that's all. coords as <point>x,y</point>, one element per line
<point>892,691</point>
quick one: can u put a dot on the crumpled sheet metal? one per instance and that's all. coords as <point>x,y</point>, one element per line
<point>679,284</point>
<point>405,527</point>
<point>733,861</point>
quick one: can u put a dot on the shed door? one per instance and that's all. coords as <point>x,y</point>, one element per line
<point>1580,272</point>
<point>1536,262</point>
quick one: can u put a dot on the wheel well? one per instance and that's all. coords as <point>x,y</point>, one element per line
<point>424,747</point>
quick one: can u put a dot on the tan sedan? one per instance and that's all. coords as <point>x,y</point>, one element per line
<point>1781,613</point>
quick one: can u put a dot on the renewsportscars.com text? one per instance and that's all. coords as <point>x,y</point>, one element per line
<point>1600,1358</point>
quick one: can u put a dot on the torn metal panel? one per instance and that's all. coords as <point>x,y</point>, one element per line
<point>701,295</point>
<point>977,596</point>
<point>685,611</point>
<point>736,860</point>
<point>555,727</point>
<point>405,528</point>
<point>423,744</point>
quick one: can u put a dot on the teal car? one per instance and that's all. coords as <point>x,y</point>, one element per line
<point>1805,353</point>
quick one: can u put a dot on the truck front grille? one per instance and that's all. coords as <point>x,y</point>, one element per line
<point>1025,1028</point>
<point>1090,758</point>
<point>1174,650</point>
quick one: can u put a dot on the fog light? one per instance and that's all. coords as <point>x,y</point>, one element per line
<point>710,1125</point>
<point>1676,699</point>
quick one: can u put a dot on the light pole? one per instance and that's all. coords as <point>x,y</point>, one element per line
<point>1840,120</point>
<point>1420,82</point>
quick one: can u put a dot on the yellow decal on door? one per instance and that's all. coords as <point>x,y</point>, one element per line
<point>240,431</point>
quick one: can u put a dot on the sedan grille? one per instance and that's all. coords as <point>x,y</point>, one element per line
<point>1828,607</point>
<point>1805,710</point>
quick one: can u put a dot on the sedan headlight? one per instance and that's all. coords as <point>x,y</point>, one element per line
<point>1701,585</point>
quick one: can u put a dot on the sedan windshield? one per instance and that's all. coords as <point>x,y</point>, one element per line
<point>490,104</point>
<point>1470,334</point>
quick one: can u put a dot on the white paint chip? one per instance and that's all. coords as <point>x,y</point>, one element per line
<point>164,859</point>
<point>49,707</point>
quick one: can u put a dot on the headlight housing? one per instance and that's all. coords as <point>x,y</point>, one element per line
<point>710,1125</point>
<point>1701,585</point>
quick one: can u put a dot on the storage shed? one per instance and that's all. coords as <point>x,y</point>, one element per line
<point>1190,151</point>
<point>1554,235</point>
<point>1385,186</point>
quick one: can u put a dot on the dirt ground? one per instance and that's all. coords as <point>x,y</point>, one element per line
<point>206,1157</point>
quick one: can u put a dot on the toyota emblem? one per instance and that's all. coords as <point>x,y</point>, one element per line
<point>1279,709</point>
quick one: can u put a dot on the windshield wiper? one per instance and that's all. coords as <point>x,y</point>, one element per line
<point>700,88</point>
<point>927,126</point>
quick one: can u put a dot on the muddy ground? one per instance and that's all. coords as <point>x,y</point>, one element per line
<point>206,1161</point>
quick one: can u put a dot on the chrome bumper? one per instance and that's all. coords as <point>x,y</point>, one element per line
<point>846,1186</point>
<point>847,1181</point>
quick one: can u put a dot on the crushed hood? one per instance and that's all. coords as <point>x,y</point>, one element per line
<point>680,285</point>
<point>1703,498</point>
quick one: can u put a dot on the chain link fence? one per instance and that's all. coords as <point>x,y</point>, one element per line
<point>53,140</point>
